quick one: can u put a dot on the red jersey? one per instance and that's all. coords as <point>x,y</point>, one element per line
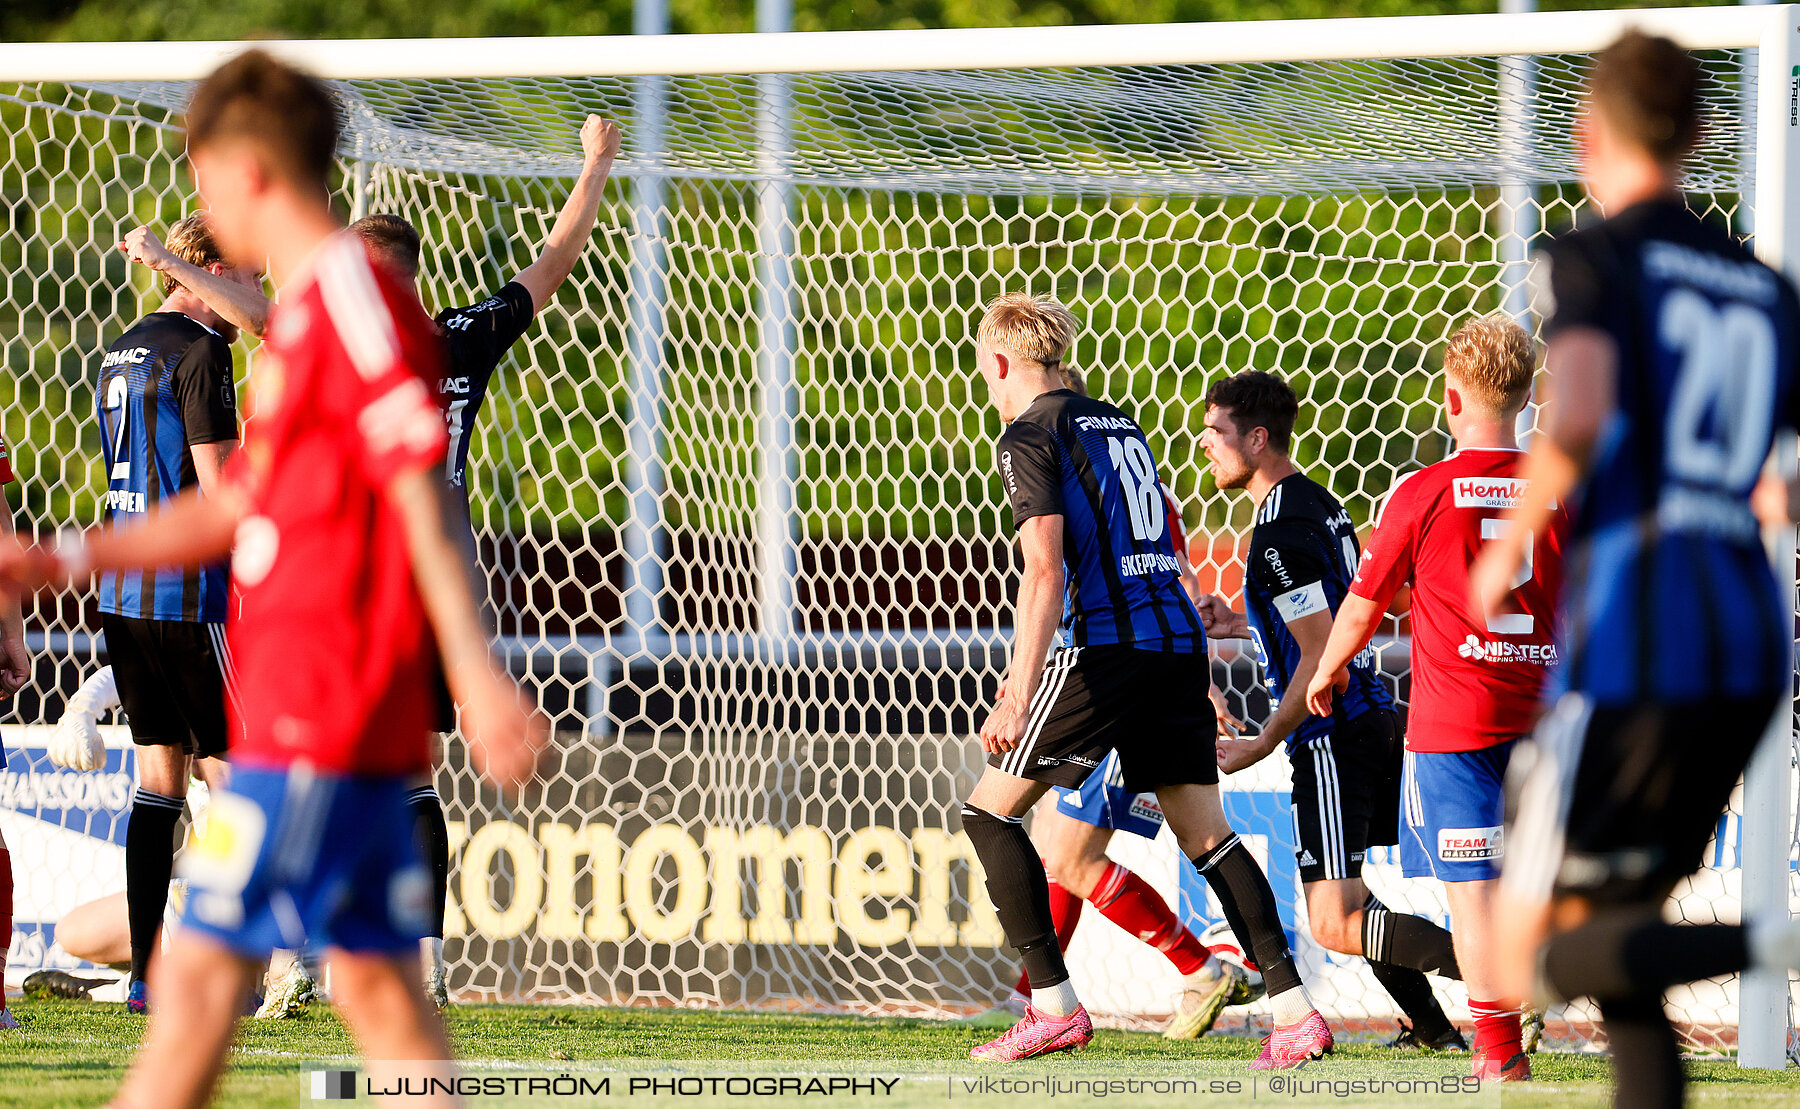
<point>332,652</point>
<point>1474,683</point>
<point>6,470</point>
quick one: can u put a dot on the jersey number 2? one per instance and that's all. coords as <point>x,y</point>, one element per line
<point>1143,493</point>
<point>118,392</point>
<point>1511,623</point>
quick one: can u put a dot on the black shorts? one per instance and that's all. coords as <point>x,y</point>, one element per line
<point>1347,795</point>
<point>443,706</point>
<point>171,679</point>
<point>1616,804</point>
<point>1150,706</point>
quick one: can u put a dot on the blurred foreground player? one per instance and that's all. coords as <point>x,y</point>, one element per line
<point>1129,672</point>
<point>1477,684</point>
<point>15,671</point>
<point>1671,355</point>
<point>345,556</point>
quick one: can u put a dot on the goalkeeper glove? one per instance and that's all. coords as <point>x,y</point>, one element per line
<point>77,743</point>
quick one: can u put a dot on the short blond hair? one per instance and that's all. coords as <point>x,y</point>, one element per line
<point>1038,328</point>
<point>1492,360</point>
<point>191,240</point>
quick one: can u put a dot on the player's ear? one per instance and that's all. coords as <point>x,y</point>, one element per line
<point>1002,364</point>
<point>1453,401</point>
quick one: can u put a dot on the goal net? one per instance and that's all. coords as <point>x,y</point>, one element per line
<point>735,490</point>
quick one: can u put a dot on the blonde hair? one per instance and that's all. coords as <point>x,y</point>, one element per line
<point>1037,328</point>
<point>1492,360</point>
<point>191,240</point>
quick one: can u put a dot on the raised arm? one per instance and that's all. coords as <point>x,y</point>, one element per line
<point>244,306</point>
<point>1035,617</point>
<point>575,223</point>
<point>505,737</point>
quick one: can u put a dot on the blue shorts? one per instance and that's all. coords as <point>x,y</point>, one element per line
<point>1453,807</point>
<point>299,856</point>
<point>1102,801</point>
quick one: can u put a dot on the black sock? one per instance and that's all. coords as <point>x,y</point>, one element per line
<point>1407,941</point>
<point>1020,892</point>
<point>1411,990</point>
<point>1635,952</point>
<point>149,861</point>
<point>1249,903</point>
<point>1646,1063</point>
<point>434,840</point>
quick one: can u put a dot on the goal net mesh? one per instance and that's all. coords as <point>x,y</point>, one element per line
<point>735,490</point>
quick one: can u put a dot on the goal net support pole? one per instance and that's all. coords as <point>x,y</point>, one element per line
<point>1764,1021</point>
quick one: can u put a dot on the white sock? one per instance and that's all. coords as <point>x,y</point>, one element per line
<point>1774,943</point>
<point>1056,1001</point>
<point>431,952</point>
<point>1290,1006</point>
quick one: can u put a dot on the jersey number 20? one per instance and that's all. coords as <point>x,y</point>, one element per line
<point>1727,372</point>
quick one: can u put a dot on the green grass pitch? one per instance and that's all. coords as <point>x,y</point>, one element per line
<point>72,1054</point>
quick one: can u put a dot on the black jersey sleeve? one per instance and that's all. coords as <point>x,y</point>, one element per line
<point>207,393</point>
<point>485,330</point>
<point>1568,286</point>
<point>1031,467</point>
<point>1287,564</point>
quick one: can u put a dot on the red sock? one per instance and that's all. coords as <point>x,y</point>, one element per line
<point>1065,913</point>
<point>1130,902</point>
<point>6,911</point>
<point>1496,1028</point>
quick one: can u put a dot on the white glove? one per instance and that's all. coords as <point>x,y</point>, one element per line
<point>77,743</point>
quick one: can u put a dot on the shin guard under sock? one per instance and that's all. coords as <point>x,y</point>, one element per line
<point>1407,941</point>
<point>1249,903</point>
<point>149,863</point>
<point>1020,892</point>
<point>434,841</point>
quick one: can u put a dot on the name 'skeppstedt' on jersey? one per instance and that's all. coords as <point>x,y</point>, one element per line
<point>1137,565</point>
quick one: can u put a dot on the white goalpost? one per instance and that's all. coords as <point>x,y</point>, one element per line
<point>735,489</point>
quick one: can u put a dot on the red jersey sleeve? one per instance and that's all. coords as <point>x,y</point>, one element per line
<point>1177,528</point>
<point>1388,559</point>
<point>6,470</point>
<point>396,355</point>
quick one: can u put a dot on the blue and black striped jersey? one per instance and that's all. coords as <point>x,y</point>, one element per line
<point>1088,462</point>
<point>1303,555</point>
<point>476,338</point>
<point>164,387</point>
<point>1669,596</point>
